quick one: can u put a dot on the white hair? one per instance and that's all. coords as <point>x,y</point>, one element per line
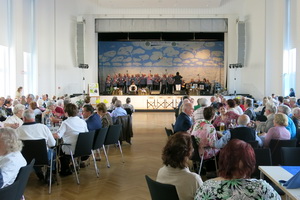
<point>18,107</point>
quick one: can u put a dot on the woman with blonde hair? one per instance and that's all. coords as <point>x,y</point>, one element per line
<point>11,159</point>
<point>278,132</point>
<point>105,116</point>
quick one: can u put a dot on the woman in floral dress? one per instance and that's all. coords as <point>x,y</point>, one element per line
<point>205,134</point>
<point>225,116</point>
<point>236,164</point>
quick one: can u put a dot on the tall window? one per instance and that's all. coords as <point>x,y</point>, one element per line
<point>289,54</point>
<point>4,73</point>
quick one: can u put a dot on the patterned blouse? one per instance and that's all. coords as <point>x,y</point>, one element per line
<point>205,134</point>
<point>229,115</point>
<point>236,189</point>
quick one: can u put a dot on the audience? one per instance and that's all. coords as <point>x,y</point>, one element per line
<point>236,164</point>
<point>184,121</point>
<point>105,116</point>
<point>91,118</point>
<point>279,131</point>
<point>69,130</point>
<point>241,132</point>
<point>175,171</point>
<point>16,119</point>
<point>11,159</point>
<point>118,111</point>
<point>224,117</point>
<point>290,126</point>
<point>270,112</point>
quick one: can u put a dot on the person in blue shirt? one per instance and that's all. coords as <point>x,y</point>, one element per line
<point>291,125</point>
<point>118,111</point>
<point>91,118</point>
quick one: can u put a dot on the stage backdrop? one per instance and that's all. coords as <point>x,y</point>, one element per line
<point>193,60</point>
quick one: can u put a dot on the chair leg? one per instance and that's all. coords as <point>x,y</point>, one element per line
<point>201,163</point>
<point>215,160</point>
<point>76,174</point>
<point>121,151</point>
<point>99,153</point>
<point>96,168</point>
<point>106,157</point>
<point>50,176</point>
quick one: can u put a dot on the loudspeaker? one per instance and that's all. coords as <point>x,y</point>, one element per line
<point>80,42</point>
<point>241,43</point>
<point>156,92</point>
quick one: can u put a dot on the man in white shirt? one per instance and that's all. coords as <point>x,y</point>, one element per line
<point>31,130</point>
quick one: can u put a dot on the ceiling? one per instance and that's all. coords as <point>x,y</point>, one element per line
<point>159,3</point>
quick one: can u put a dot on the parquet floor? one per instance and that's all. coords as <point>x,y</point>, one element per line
<point>121,181</point>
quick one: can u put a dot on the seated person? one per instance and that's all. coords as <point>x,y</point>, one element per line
<point>279,131</point>
<point>284,109</point>
<point>128,105</point>
<point>16,118</point>
<point>270,111</point>
<point>118,111</point>
<point>198,113</point>
<point>69,131</point>
<point>175,171</point>
<point>241,132</point>
<point>236,164</point>
<point>31,130</point>
<point>91,118</point>
<point>225,116</point>
<point>184,121</point>
<point>105,116</point>
<point>11,159</point>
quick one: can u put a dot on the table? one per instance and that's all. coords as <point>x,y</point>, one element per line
<point>276,173</point>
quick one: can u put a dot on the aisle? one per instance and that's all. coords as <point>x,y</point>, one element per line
<point>121,181</point>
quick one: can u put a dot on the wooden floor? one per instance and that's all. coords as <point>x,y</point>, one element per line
<point>121,181</point>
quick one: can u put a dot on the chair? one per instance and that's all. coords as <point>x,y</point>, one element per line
<point>23,178</point>
<point>290,156</point>
<point>84,146</point>
<point>129,111</point>
<point>99,139</point>
<point>275,147</point>
<point>10,192</point>
<point>37,149</point>
<point>38,118</point>
<point>254,143</point>
<point>126,131</point>
<point>169,132</point>
<point>161,191</point>
<point>263,158</point>
<point>200,158</point>
<point>151,102</point>
<point>112,137</point>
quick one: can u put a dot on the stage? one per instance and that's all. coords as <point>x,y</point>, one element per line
<point>148,102</point>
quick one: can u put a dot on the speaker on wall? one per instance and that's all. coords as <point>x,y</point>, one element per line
<point>80,40</point>
<point>241,42</point>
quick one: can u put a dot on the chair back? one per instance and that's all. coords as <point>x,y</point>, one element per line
<point>38,118</point>
<point>129,111</point>
<point>254,143</point>
<point>169,132</point>
<point>126,130</point>
<point>290,156</point>
<point>23,178</point>
<point>195,156</point>
<point>84,144</point>
<point>159,191</point>
<point>113,134</point>
<point>35,149</point>
<point>99,139</point>
<point>263,157</point>
<point>10,192</point>
<point>275,147</point>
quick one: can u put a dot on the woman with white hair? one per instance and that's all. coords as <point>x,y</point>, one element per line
<point>11,159</point>
<point>15,121</point>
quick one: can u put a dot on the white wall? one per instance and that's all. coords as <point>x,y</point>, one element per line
<point>56,28</point>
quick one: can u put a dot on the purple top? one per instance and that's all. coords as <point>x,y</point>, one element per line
<point>277,133</point>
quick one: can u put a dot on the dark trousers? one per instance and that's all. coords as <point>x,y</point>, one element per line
<point>163,89</point>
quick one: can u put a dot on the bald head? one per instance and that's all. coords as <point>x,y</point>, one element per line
<point>243,120</point>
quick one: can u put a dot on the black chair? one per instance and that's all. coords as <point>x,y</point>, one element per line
<point>169,132</point>
<point>99,139</point>
<point>83,147</point>
<point>254,143</point>
<point>275,147</point>
<point>112,137</point>
<point>10,192</point>
<point>37,149</point>
<point>38,118</point>
<point>290,156</point>
<point>23,176</point>
<point>263,158</point>
<point>161,191</point>
<point>129,111</point>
